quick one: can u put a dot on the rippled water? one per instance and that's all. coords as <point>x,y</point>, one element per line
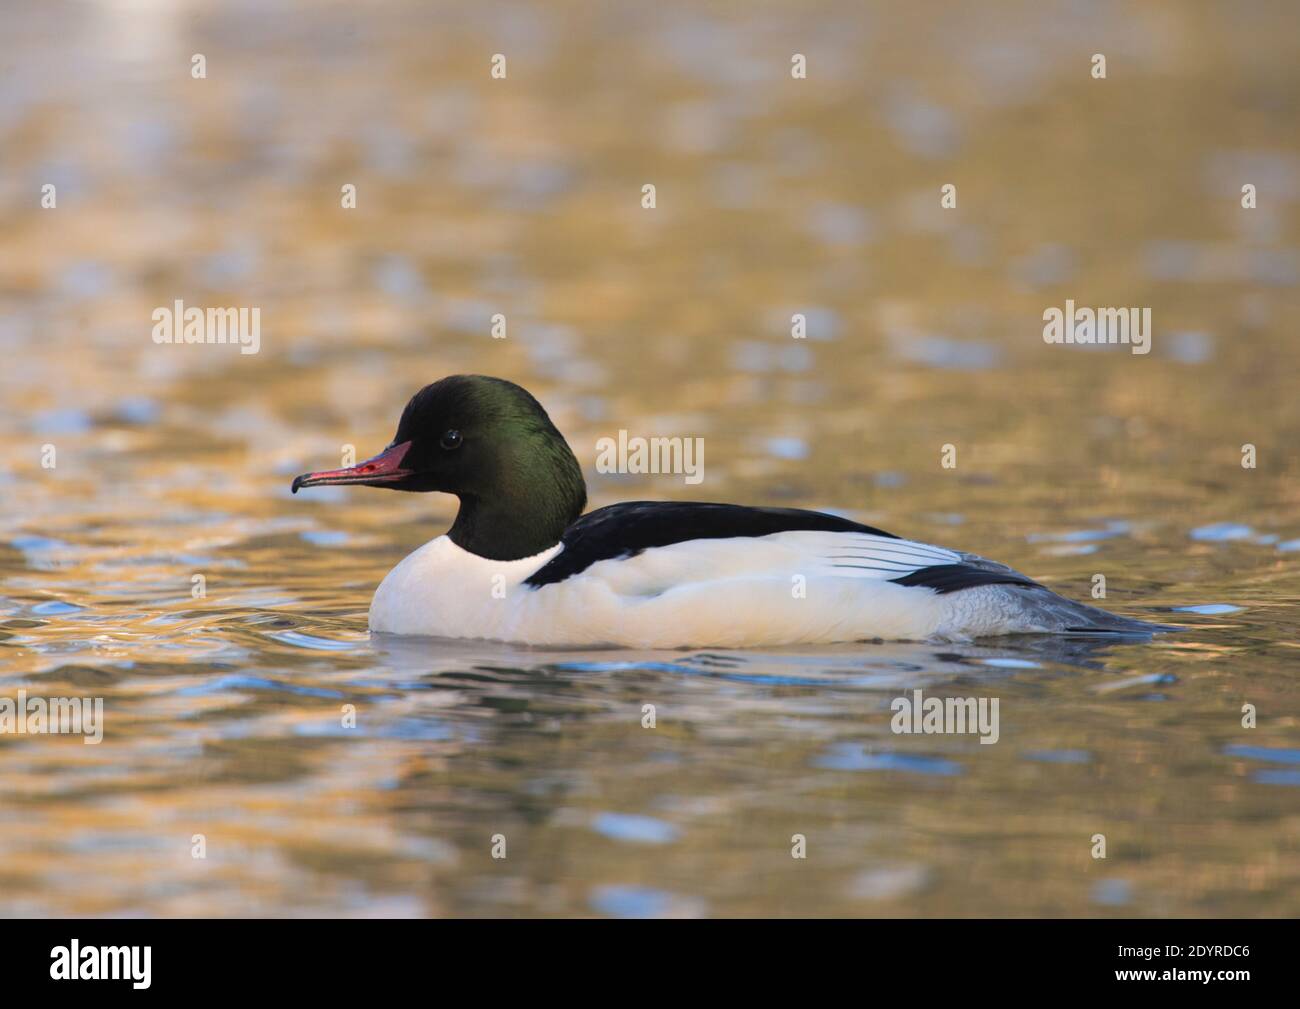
<point>224,714</point>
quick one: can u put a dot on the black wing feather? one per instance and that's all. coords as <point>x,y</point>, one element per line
<point>945,578</point>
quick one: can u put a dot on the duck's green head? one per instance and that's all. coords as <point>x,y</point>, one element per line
<point>489,442</point>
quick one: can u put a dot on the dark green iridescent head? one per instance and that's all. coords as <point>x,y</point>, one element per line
<point>490,443</point>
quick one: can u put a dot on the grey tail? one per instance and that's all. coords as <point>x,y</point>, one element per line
<point>1043,610</point>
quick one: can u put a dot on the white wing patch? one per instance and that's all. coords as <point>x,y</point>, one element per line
<point>859,555</point>
<point>811,553</point>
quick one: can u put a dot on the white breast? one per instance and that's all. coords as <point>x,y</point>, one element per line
<point>444,590</point>
<point>787,588</point>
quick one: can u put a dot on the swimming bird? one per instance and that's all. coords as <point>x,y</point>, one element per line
<point>522,563</point>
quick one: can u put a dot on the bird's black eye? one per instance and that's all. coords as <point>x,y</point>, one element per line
<point>450,439</point>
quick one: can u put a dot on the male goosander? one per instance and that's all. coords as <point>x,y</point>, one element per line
<point>523,564</point>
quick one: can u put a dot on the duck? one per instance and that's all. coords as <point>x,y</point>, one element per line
<point>524,562</point>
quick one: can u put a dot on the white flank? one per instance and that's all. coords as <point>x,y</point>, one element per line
<point>788,588</point>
